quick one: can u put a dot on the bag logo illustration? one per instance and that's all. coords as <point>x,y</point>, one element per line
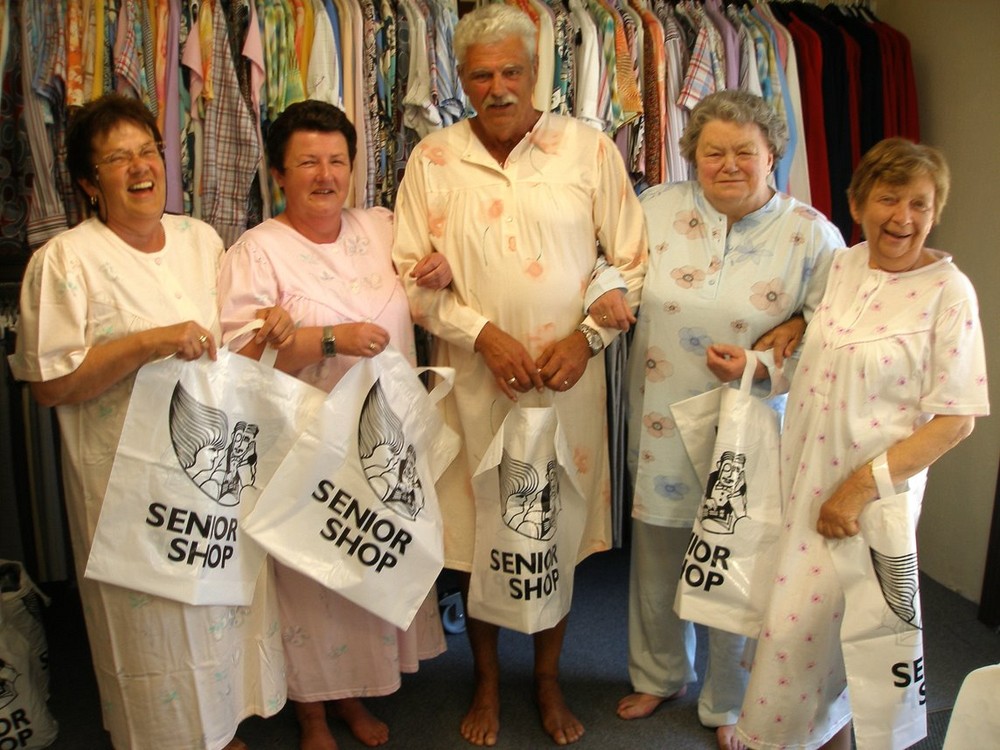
<point>8,676</point>
<point>529,507</point>
<point>388,460</point>
<point>222,463</point>
<point>725,494</point>
<point>897,577</point>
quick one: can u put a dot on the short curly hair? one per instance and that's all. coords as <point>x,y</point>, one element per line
<point>898,161</point>
<point>494,23</point>
<point>735,106</point>
<point>95,119</point>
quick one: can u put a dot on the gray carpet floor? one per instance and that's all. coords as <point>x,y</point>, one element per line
<point>424,714</point>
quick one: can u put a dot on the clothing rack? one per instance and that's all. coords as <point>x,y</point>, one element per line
<point>360,65</point>
<point>33,527</point>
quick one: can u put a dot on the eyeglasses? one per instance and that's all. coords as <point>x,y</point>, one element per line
<point>123,157</point>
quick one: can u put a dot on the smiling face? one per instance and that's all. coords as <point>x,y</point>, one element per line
<point>316,180</point>
<point>129,178</point>
<point>733,162</point>
<point>896,220</point>
<point>499,78</point>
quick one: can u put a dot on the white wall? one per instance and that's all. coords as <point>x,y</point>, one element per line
<point>956,55</point>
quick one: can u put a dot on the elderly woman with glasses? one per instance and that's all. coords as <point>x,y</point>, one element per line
<point>123,288</point>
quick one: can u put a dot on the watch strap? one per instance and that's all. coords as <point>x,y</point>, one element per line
<point>594,340</point>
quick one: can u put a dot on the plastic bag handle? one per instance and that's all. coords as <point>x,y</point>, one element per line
<point>444,384</point>
<point>746,382</point>
<point>777,374</point>
<point>883,480</point>
<point>268,356</point>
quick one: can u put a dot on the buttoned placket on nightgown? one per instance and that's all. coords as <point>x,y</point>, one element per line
<point>169,281</point>
<point>476,153</point>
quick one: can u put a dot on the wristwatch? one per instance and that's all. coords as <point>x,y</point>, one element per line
<point>594,340</point>
<point>328,344</point>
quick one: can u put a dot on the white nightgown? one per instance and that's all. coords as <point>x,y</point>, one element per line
<point>884,354</point>
<point>170,674</point>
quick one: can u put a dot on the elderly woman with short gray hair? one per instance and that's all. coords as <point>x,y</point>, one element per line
<point>731,260</point>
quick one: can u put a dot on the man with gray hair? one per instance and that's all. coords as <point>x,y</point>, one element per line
<point>521,202</point>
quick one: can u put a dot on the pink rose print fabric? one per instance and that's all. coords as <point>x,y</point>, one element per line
<point>883,354</point>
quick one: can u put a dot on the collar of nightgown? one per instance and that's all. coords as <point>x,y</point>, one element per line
<point>475,152</point>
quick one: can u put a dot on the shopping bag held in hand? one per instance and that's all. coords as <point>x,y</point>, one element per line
<point>727,568</point>
<point>530,515</point>
<point>354,505</point>
<point>200,441</point>
<point>881,633</point>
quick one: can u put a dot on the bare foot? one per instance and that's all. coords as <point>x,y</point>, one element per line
<point>482,722</point>
<point>727,738</point>
<point>367,728</point>
<point>641,705</point>
<point>236,744</point>
<point>314,729</point>
<point>560,723</point>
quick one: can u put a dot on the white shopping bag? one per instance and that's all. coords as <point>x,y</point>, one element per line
<point>727,568</point>
<point>25,720</point>
<point>881,633</point>
<point>530,515</point>
<point>354,505</point>
<point>201,440</point>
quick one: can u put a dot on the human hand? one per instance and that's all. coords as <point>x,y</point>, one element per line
<point>360,339</point>
<point>726,362</point>
<point>610,310</point>
<point>784,339</point>
<point>187,340</point>
<point>278,329</point>
<point>562,364</point>
<point>508,360</point>
<point>432,271</point>
<point>839,514</point>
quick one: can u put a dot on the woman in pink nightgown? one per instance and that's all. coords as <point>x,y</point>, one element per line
<point>330,268</point>
<point>892,369</point>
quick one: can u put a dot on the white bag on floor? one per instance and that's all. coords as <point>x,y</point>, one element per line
<point>201,439</point>
<point>25,720</point>
<point>881,633</point>
<point>354,505</point>
<point>530,515</point>
<point>727,568</point>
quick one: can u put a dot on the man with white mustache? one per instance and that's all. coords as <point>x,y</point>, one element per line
<point>520,202</point>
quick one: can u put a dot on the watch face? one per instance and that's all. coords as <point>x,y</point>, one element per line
<point>328,343</point>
